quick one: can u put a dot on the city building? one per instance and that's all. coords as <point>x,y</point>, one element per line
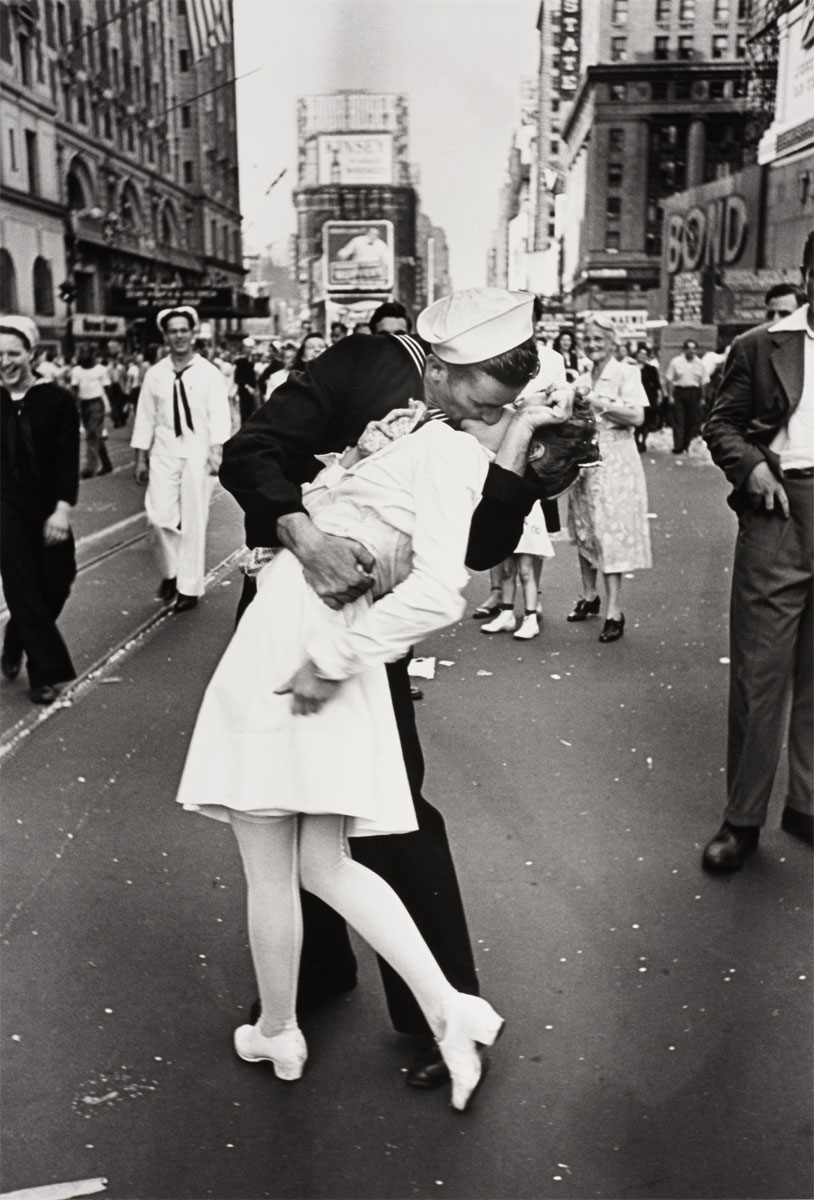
<point>663,103</point>
<point>357,206</point>
<point>727,242</point>
<point>118,168</point>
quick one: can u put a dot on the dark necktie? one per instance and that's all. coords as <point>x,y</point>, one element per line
<point>179,397</point>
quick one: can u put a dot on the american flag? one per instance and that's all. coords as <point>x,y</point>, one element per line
<point>209,24</point>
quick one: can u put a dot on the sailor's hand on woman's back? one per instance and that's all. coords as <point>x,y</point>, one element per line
<point>337,568</point>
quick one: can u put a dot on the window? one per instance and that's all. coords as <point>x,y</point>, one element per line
<point>740,46</point>
<point>613,206</point>
<point>24,51</point>
<point>612,240</point>
<point>721,10</point>
<point>663,8</point>
<point>682,89</point>
<point>552,229</point>
<point>62,24</point>
<point>32,162</point>
<point>183,60</point>
<point>186,117</point>
<point>114,53</point>
<point>213,237</point>
<point>8,283</point>
<point>43,287</point>
<point>618,91</point>
<point>619,12</point>
<point>661,47</point>
<point>49,24</point>
<point>188,170</point>
<point>554,146</point>
<point>91,48</point>
<point>615,174</point>
<point>619,49</point>
<point>81,107</point>
<point>5,34</point>
<point>685,46</point>
<point>686,10</point>
<point>12,150</point>
<point>717,89</point>
<point>659,90</point>
<point>719,45</point>
<point>616,140</point>
<point>108,124</point>
<point>744,10</point>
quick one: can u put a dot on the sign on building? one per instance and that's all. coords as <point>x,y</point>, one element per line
<point>568,47</point>
<point>355,158</point>
<point>629,323</point>
<point>358,256</point>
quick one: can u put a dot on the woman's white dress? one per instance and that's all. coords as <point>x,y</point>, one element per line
<point>410,505</point>
<point>607,506</point>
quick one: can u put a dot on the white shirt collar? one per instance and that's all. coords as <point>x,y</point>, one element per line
<point>793,322</point>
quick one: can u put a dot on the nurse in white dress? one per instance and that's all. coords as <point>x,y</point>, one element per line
<point>296,743</point>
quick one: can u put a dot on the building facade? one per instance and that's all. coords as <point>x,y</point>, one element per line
<point>663,104</point>
<point>356,205</point>
<point>118,168</point>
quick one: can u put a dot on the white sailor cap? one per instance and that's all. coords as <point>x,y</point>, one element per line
<point>24,327</point>
<point>181,310</point>
<point>477,324</point>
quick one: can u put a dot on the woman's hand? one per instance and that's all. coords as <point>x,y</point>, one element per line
<point>309,692</point>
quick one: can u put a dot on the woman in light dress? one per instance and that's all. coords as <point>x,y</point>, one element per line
<point>296,743</point>
<point>607,508</point>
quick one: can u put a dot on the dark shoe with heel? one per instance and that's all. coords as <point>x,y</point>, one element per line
<point>428,1069</point>
<point>612,630</point>
<point>584,609</point>
<point>730,848</point>
<point>10,667</point>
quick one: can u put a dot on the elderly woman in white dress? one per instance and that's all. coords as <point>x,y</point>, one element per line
<point>607,508</point>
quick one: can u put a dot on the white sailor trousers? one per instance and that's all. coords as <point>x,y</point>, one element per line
<point>177,506</point>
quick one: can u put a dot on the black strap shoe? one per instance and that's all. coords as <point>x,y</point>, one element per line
<point>584,609</point>
<point>730,848</point>
<point>612,630</point>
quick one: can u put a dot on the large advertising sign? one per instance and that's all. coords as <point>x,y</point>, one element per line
<point>355,158</point>
<point>568,47</point>
<point>351,111</point>
<point>358,256</point>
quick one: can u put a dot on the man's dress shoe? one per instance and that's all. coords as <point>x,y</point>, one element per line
<point>184,603</point>
<point>166,590</point>
<point>45,693</point>
<point>11,667</point>
<point>428,1069</point>
<point>798,824</point>
<point>730,848</point>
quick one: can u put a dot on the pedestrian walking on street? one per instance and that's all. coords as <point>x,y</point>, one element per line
<point>89,381</point>
<point>761,434</point>
<point>296,743</point>
<point>38,488</point>
<point>651,382</point>
<point>607,508</point>
<point>526,561</point>
<point>325,408</point>
<point>182,420</point>
<point>686,379</point>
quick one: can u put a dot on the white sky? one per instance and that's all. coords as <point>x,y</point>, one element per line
<point>459,62</point>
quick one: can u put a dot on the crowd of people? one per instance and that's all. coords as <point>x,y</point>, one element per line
<point>372,471</point>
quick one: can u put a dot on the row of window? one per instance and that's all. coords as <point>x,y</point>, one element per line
<point>42,282</point>
<point>685,46</point>
<point>681,89</point>
<point>686,9</point>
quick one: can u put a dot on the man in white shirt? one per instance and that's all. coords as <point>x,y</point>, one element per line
<point>685,381</point>
<point>182,421</point>
<point>761,434</point>
<point>89,382</point>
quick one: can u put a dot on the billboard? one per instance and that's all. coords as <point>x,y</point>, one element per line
<point>357,111</point>
<point>355,158</point>
<point>358,256</point>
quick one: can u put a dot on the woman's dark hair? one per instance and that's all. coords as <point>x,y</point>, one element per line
<point>514,368</point>
<point>570,355</point>
<point>568,447</point>
<point>299,362</point>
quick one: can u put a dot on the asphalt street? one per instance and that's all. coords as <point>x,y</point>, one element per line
<point>659,1020</point>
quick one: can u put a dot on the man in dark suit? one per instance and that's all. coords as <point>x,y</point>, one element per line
<point>761,434</point>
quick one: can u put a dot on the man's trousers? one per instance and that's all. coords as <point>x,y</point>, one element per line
<point>177,506</point>
<point>36,581</point>
<point>686,416</point>
<point>770,633</point>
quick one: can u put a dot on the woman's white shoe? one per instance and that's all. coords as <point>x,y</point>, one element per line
<point>286,1051</point>
<point>529,628</point>
<point>470,1022</point>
